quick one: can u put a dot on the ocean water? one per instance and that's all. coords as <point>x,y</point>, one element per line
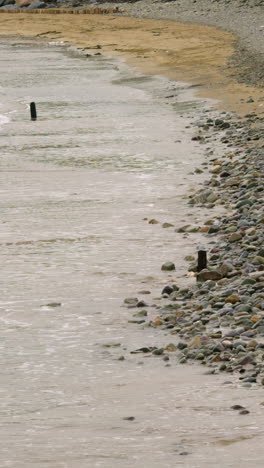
<point>110,151</point>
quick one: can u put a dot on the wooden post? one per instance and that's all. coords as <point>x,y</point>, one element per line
<point>202,260</point>
<point>33,111</point>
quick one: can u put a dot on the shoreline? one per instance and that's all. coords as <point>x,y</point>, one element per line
<point>220,319</point>
<point>154,46</point>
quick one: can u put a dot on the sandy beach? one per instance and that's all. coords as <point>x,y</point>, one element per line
<point>196,54</point>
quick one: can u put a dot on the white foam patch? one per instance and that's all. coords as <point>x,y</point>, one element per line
<point>4,119</point>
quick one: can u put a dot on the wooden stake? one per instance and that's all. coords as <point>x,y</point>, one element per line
<point>33,111</point>
<point>202,260</point>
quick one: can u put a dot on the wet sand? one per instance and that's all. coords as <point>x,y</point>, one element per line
<point>182,52</point>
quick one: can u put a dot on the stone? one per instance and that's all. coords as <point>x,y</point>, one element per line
<point>237,407</point>
<point>224,269</point>
<point>235,236</point>
<point>131,300</point>
<point>259,259</point>
<point>153,221</point>
<point>171,347</point>
<point>246,360</point>
<point>143,350</point>
<point>158,352</point>
<point>53,304</point>
<point>167,290</point>
<point>182,345</point>
<point>212,275</point>
<point>212,198</point>
<point>233,299</point>
<point>36,5</point>
<point>251,346</point>
<point>168,266</point>
<point>141,313</point>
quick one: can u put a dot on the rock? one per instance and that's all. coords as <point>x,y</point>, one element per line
<point>36,5</point>
<point>9,7</point>
<point>143,350</point>
<point>153,221</point>
<point>168,266</point>
<point>167,225</point>
<point>141,313</point>
<point>53,304</point>
<point>237,407</point>
<point>212,198</point>
<point>251,346</point>
<point>167,290</point>
<point>233,299</point>
<point>182,345</point>
<point>206,275</point>
<point>171,347</point>
<point>157,322</point>
<point>142,304</point>
<point>138,322</point>
<point>158,352</point>
<point>224,269</point>
<point>236,236</point>
<point>7,2</point>
<point>259,259</point>
<point>131,300</point>
<point>246,360</point>
<point>244,411</point>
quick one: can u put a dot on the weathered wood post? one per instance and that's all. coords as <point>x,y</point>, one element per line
<point>33,111</point>
<point>202,260</point>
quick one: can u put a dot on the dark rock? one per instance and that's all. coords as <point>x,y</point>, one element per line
<point>167,290</point>
<point>168,266</point>
<point>237,407</point>
<point>143,350</point>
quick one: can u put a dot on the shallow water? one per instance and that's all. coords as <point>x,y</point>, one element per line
<point>109,149</point>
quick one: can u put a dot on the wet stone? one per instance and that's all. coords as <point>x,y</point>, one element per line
<point>168,266</point>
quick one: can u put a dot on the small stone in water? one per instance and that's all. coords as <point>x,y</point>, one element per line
<point>131,300</point>
<point>129,418</point>
<point>53,304</point>
<point>244,411</point>
<point>237,407</point>
<point>167,290</point>
<point>168,266</point>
